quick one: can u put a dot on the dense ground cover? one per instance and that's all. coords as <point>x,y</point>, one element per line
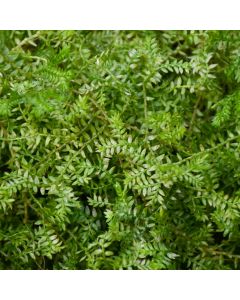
<point>119,150</point>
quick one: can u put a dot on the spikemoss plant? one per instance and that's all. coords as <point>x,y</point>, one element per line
<point>119,150</point>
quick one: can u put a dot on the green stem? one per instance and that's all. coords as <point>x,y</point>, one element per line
<point>145,101</point>
<point>202,152</point>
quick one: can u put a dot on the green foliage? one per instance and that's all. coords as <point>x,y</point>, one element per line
<point>119,150</point>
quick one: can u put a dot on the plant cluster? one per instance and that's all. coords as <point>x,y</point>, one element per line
<point>119,150</point>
